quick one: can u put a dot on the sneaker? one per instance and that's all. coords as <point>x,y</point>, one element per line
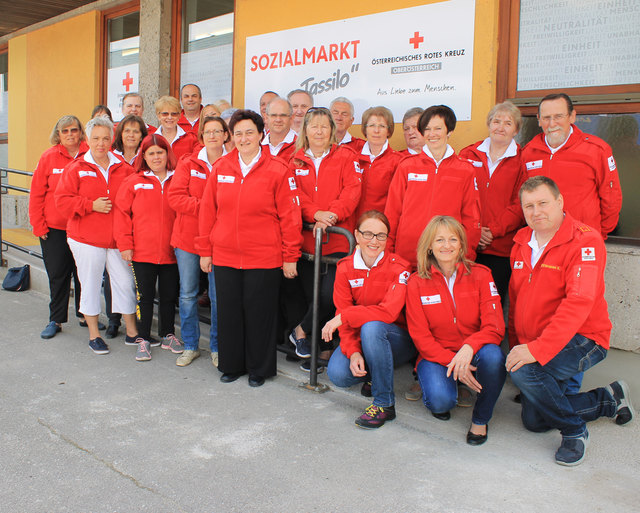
<point>572,450</point>
<point>154,342</point>
<point>306,366</point>
<point>366,389</point>
<point>187,357</point>
<point>624,410</point>
<point>98,345</point>
<point>51,330</point>
<point>172,343</point>
<point>302,345</point>
<point>143,353</point>
<point>414,393</point>
<point>132,341</point>
<point>214,358</point>
<point>375,416</point>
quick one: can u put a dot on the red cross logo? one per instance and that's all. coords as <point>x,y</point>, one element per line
<point>587,251</point>
<point>416,40</point>
<point>128,81</point>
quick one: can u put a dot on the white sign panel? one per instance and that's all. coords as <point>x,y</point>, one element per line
<point>578,43</point>
<point>120,81</point>
<point>419,56</point>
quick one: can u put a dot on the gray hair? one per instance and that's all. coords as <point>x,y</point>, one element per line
<point>132,95</point>
<point>63,122</point>
<point>342,99</point>
<point>226,115</point>
<point>412,112</point>
<point>508,108</point>
<point>281,100</point>
<point>99,121</point>
<point>300,91</point>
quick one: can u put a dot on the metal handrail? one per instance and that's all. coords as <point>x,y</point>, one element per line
<point>4,188</point>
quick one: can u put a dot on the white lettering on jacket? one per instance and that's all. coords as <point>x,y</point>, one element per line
<point>302,172</point>
<point>56,171</point>
<point>359,282</point>
<point>612,163</point>
<point>518,264</point>
<point>493,289</point>
<point>292,183</point>
<point>226,179</point>
<point>143,186</point>
<point>430,300</point>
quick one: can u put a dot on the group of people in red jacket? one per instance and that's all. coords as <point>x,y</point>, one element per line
<point>439,241</point>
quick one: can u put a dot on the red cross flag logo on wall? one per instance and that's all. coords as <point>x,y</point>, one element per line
<point>416,40</point>
<point>127,81</point>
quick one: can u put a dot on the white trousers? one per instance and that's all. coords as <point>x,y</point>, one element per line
<point>91,262</point>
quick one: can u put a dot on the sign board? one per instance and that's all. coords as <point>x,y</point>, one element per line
<point>120,81</point>
<point>405,58</point>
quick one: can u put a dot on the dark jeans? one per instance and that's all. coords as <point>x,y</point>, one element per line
<point>60,266</point>
<point>545,402</point>
<point>166,275</point>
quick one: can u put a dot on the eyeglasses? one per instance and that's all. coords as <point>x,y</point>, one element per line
<point>211,133</point>
<point>67,131</point>
<point>172,114</point>
<point>370,235</point>
<point>555,117</point>
<point>379,127</point>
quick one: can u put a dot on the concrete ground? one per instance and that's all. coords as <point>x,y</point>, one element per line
<point>87,433</point>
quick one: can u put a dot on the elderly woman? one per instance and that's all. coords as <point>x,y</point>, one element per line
<point>85,196</point>
<point>144,222</point>
<point>250,231</point>
<point>436,181</point>
<point>129,134</point>
<point>378,160</point>
<point>168,112</point>
<point>50,225</point>
<point>369,294</point>
<point>186,191</point>
<point>499,175</point>
<point>455,321</point>
<point>328,179</point>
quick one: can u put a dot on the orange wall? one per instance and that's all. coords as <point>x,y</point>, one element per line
<point>54,71</point>
<point>254,17</point>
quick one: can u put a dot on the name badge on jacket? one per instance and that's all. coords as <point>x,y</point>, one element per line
<point>226,179</point>
<point>82,174</point>
<point>430,300</point>
<point>302,172</point>
<point>359,282</point>
<point>143,186</point>
<point>417,177</point>
<point>198,174</point>
<point>534,164</point>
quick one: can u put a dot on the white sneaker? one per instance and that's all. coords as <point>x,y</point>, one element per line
<point>187,357</point>
<point>214,359</point>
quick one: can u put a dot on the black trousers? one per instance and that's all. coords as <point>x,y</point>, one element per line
<point>166,275</point>
<point>501,271</point>
<point>247,319</point>
<point>60,266</point>
<point>115,318</point>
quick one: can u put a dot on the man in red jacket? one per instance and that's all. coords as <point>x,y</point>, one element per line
<point>558,321</point>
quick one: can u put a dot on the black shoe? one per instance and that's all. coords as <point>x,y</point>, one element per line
<point>306,366</point>
<point>255,381</point>
<point>619,390</point>
<point>473,439</point>
<point>366,389</point>
<point>442,416</point>
<point>517,398</point>
<point>112,331</point>
<point>83,324</point>
<point>230,377</point>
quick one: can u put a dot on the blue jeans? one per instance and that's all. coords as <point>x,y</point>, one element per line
<point>383,347</point>
<point>545,402</point>
<point>440,393</point>
<point>189,269</point>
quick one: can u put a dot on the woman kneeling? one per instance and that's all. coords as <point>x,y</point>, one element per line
<point>455,320</point>
<point>369,294</point>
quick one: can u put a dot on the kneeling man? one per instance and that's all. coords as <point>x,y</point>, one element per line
<point>558,321</point>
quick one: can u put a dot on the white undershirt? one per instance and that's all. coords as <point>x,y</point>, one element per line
<point>291,135</point>
<point>202,155</point>
<point>450,283</point>
<point>536,251</point>
<point>179,133</point>
<point>367,151</point>
<point>150,173</point>
<point>412,152</point>
<point>358,261</point>
<point>245,168</point>
<point>346,139</point>
<point>105,172</point>
<point>316,160</point>
<point>553,150</point>
<point>447,154</point>
<point>511,151</point>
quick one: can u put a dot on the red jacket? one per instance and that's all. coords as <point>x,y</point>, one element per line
<point>285,152</point>
<point>439,328</point>
<point>187,186</point>
<point>80,185</point>
<point>186,124</point>
<point>420,190</point>
<point>586,173</point>
<point>356,144</point>
<point>500,208</point>
<point>43,213</point>
<point>363,295</point>
<point>184,145</point>
<point>144,219</point>
<point>252,222</point>
<point>337,189</point>
<point>376,178</point>
<point>562,295</point>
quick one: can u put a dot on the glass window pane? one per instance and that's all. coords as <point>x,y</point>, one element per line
<point>123,49</point>
<point>207,47</point>
<point>4,92</point>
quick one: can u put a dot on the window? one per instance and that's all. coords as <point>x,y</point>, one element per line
<point>122,57</point>
<point>4,108</point>
<point>206,46</point>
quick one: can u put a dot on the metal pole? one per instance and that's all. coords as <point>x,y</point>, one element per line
<point>315,330</point>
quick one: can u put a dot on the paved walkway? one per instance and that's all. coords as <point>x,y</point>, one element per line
<point>87,433</point>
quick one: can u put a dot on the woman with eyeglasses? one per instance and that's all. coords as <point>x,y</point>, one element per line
<point>434,182</point>
<point>369,294</point>
<point>329,181</point>
<point>250,235</point>
<point>168,112</point>
<point>378,160</point>
<point>185,194</point>
<point>456,323</point>
<point>50,225</point>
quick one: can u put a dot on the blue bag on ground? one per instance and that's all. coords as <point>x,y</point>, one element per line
<point>17,278</point>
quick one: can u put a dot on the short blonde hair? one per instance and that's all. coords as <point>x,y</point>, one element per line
<point>166,101</point>
<point>425,254</point>
<point>382,112</point>
<point>508,108</point>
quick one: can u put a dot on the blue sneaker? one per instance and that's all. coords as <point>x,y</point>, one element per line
<point>302,345</point>
<point>51,330</point>
<point>572,450</point>
<point>98,345</point>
